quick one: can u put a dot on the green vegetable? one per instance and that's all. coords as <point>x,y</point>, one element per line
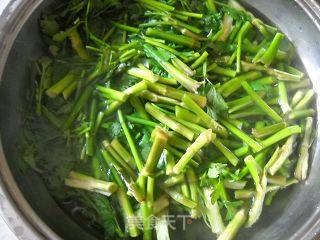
<point>172,107</point>
<point>302,165</point>
<point>203,139</point>
<point>78,180</point>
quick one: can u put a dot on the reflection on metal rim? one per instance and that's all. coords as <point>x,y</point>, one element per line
<point>18,214</point>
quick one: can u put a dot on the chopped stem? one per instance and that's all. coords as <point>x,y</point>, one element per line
<point>178,142</point>
<point>127,211</point>
<point>159,5</point>
<point>127,46</point>
<point>183,67</point>
<point>176,93</point>
<point>280,75</point>
<point>142,121</point>
<point>133,90</point>
<point>243,136</point>
<point>132,144</point>
<point>81,181</point>
<point>254,170</point>
<point>139,107</point>
<point>160,204</point>
<point>61,85</point>
<point>89,144</point>
<point>162,226</point>
<point>172,181</point>
<point>183,79</point>
<point>240,103</point>
<point>268,130</point>
<point>176,38</point>
<point>80,102</point>
<point>185,189</point>
<point>203,139</point>
<point>193,185</point>
<point>243,194</point>
<point>222,71</point>
<point>271,53</point>
<point>283,98</point>
<point>210,122</point>
<point>144,73</point>
<point>112,94</point>
<point>297,97</point>
<point>211,6</point>
<point>259,101</point>
<point>194,127</point>
<point>301,170</point>
<point>284,133</point>
<point>69,90</point>
<point>136,191</point>
<point>152,97</point>
<point>212,211</point>
<point>258,200</point>
<point>235,84</point>
<point>168,81</point>
<point>189,14</point>
<point>285,151</point>
<point>150,191</point>
<point>126,27</point>
<point>226,152</point>
<point>200,60</point>
<point>178,23</point>
<point>121,162</point>
<point>166,120</point>
<point>169,163</point>
<point>305,101</point>
<point>233,227</point>
<point>234,185</point>
<point>120,149</point>
<point>178,197</point>
<point>165,47</point>
<point>160,138</point>
<point>242,33</point>
<point>77,44</point>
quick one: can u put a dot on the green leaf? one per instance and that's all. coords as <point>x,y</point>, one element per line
<point>216,192</point>
<point>49,26</point>
<point>212,21</point>
<point>216,103</point>
<point>216,100</point>
<point>165,54</point>
<point>115,129</point>
<point>256,86</point>
<point>232,208</point>
<point>216,169</point>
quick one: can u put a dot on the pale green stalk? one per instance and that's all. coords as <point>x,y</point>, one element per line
<point>203,139</point>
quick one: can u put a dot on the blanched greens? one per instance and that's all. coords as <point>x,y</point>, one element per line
<point>195,107</point>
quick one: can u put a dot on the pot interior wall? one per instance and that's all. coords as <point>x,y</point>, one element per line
<point>290,210</point>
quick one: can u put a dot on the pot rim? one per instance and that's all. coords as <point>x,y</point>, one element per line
<point>14,208</point>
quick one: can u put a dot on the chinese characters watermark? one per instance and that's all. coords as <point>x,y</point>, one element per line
<point>169,220</point>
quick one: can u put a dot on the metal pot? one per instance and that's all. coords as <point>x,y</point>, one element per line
<point>24,201</point>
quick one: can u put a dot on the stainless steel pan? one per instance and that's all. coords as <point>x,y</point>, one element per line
<point>24,201</point>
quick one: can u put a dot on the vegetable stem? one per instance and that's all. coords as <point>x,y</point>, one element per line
<point>234,226</point>
<point>210,122</point>
<point>203,139</point>
<point>160,138</point>
<point>166,120</point>
<point>262,104</point>
<point>300,172</point>
<point>243,136</point>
